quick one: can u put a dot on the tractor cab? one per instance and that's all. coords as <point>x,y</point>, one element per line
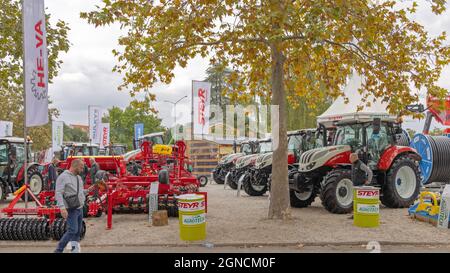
<point>369,139</point>
<point>154,138</point>
<point>12,159</point>
<point>79,149</point>
<point>248,147</point>
<point>114,149</point>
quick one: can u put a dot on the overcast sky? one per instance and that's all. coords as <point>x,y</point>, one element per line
<point>86,76</point>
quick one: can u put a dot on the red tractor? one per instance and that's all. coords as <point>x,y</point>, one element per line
<point>12,158</point>
<point>327,171</point>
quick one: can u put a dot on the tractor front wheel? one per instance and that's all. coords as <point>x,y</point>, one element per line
<point>303,199</point>
<point>216,176</point>
<point>252,189</point>
<point>337,191</point>
<point>402,186</point>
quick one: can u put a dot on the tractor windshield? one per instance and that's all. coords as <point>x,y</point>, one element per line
<point>246,148</point>
<point>20,152</point>
<point>3,154</point>
<point>265,147</point>
<point>94,151</point>
<point>349,135</point>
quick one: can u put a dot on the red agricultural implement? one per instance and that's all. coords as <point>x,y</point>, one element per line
<point>47,225</point>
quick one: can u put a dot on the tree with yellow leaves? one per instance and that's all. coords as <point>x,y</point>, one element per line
<point>308,47</point>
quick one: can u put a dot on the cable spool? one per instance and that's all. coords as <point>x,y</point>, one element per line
<point>435,153</point>
<point>403,139</point>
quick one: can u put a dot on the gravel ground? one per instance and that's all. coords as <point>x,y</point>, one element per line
<point>243,220</point>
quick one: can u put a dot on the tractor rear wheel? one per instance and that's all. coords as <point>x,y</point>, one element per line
<point>337,191</point>
<point>251,189</point>
<point>203,180</point>
<point>35,181</point>
<point>402,186</point>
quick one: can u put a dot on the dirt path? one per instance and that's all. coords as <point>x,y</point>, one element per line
<point>243,220</point>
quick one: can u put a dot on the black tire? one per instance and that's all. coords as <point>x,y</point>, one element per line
<point>297,201</point>
<point>250,189</point>
<point>163,177</point>
<point>217,178</point>
<point>3,193</point>
<point>38,182</point>
<point>329,193</point>
<point>390,196</point>
<point>232,183</point>
<point>203,180</point>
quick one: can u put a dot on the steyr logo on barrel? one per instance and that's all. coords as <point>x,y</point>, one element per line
<point>367,194</point>
<point>191,206</point>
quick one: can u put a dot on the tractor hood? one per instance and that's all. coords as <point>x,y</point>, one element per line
<point>316,158</point>
<point>229,158</point>
<point>245,161</point>
<point>264,160</point>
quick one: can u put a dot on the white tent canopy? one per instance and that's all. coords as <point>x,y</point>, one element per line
<point>341,111</point>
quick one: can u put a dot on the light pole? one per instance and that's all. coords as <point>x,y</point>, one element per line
<point>175,110</point>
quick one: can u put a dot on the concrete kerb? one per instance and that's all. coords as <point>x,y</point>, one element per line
<point>242,245</point>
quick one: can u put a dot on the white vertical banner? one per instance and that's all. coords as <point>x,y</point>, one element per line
<point>36,63</point>
<point>95,124</point>
<point>6,128</point>
<point>57,135</point>
<point>201,101</point>
<point>104,135</point>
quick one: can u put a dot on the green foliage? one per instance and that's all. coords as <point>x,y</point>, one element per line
<point>75,134</point>
<point>11,71</point>
<point>122,122</point>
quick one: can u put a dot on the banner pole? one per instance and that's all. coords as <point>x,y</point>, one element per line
<point>25,165</point>
<point>192,111</point>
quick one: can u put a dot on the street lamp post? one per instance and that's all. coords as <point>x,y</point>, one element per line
<point>175,114</point>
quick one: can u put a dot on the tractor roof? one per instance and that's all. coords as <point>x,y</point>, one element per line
<point>152,135</point>
<point>79,144</point>
<point>301,131</point>
<point>341,111</point>
<point>14,139</point>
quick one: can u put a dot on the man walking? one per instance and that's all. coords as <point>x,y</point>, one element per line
<point>69,184</point>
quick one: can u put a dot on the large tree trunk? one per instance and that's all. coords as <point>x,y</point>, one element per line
<point>279,207</point>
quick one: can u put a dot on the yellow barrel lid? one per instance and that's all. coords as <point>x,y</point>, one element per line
<point>190,196</point>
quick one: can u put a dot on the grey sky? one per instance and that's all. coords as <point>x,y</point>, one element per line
<point>86,77</point>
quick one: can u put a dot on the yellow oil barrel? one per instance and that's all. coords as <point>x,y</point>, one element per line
<point>366,206</point>
<point>192,217</point>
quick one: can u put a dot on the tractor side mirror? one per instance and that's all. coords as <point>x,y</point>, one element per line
<point>376,125</point>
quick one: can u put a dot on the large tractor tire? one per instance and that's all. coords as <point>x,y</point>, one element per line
<point>232,182</point>
<point>217,178</point>
<point>203,180</point>
<point>35,181</point>
<point>251,189</point>
<point>303,199</point>
<point>337,191</point>
<point>3,193</point>
<point>402,186</point>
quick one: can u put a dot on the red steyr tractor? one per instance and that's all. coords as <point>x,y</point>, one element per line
<point>327,171</point>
